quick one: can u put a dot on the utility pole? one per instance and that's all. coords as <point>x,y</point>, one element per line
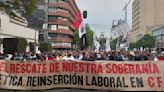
<point>125,9</point>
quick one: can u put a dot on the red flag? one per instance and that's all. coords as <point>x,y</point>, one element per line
<point>78,20</point>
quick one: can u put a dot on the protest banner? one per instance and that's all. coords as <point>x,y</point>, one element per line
<point>124,76</point>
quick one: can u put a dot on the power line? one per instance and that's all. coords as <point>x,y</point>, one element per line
<point>99,25</point>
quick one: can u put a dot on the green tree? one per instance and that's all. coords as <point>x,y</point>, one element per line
<point>102,41</point>
<point>89,33</point>
<point>133,45</point>
<point>12,45</point>
<point>76,39</point>
<point>113,44</point>
<point>23,7</point>
<point>146,41</point>
<point>45,47</point>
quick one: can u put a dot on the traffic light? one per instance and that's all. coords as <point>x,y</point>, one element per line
<point>84,14</point>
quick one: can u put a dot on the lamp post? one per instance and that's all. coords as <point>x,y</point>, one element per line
<point>125,9</point>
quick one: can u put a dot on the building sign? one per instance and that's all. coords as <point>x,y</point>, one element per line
<point>61,44</point>
<point>125,76</point>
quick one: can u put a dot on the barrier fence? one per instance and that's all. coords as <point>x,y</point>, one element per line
<point>124,76</point>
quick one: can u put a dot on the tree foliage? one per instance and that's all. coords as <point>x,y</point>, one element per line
<point>45,47</point>
<point>113,44</point>
<point>146,41</point>
<point>23,7</point>
<point>102,41</point>
<point>76,38</point>
<point>89,33</point>
<point>12,45</point>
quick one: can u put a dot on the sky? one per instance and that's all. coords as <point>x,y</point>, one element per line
<point>101,13</point>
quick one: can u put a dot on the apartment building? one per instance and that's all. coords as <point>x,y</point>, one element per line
<point>146,14</point>
<point>60,18</point>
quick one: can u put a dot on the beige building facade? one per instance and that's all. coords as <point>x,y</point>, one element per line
<point>146,14</point>
<point>17,27</point>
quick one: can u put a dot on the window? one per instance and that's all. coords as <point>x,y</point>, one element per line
<point>64,36</point>
<point>52,27</point>
<point>159,37</point>
<point>52,35</point>
<point>63,18</point>
<point>63,27</point>
<point>63,10</point>
<point>52,9</point>
<point>53,1</point>
<point>52,17</point>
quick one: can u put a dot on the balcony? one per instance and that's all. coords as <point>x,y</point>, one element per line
<point>73,5</point>
<point>63,5</point>
<point>62,31</point>
<point>61,39</point>
<point>61,22</point>
<point>62,14</point>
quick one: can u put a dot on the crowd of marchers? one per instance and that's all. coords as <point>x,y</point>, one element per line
<point>76,55</point>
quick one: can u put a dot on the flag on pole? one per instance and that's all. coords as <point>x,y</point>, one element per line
<point>82,30</point>
<point>83,37</point>
<point>78,20</point>
<point>118,44</point>
<point>125,41</point>
<point>95,43</point>
<point>97,46</point>
<point>108,45</point>
<point>94,39</point>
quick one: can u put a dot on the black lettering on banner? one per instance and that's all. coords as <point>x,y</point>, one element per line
<point>34,81</point>
<point>94,81</point>
<point>42,81</point>
<point>29,81</point>
<point>66,80</point>
<point>136,82</point>
<point>10,81</point>
<point>100,81</point>
<point>106,81</point>
<point>49,80</point>
<point>119,82</point>
<point>20,81</point>
<point>55,79</point>
<point>60,79</point>
<point>6,77</point>
<point>80,80</point>
<point>132,82</point>
<point>139,81</point>
<point>14,78</point>
<point>124,85</point>
<point>39,82</point>
<point>70,79</point>
<point>87,81</point>
<point>74,79</point>
<point>112,82</point>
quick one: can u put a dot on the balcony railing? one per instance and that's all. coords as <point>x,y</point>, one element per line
<point>61,39</point>
<point>62,31</point>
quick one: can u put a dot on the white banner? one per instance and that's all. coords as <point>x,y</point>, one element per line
<point>120,30</point>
